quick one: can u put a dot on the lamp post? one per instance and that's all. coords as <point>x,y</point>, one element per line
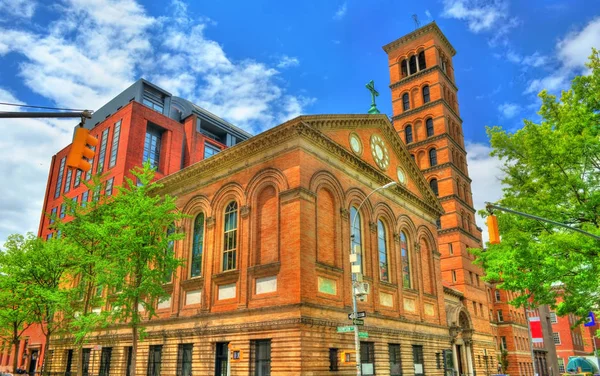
<point>355,277</point>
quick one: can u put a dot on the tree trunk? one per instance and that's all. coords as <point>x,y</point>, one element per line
<point>45,354</point>
<point>16,357</point>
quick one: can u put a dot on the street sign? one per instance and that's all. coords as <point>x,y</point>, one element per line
<point>345,329</point>
<point>363,335</point>
<point>358,322</point>
<point>359,315</point>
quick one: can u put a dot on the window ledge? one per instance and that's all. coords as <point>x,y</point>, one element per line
<point>226,277</point>
<point>265,269</point>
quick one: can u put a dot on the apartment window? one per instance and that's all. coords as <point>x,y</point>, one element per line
<point>418,360</point>
<point>102,150</point>
<point>497,295</point>
<point>556,338</point>
<point>61,170</point>
<point>408,135</point>
<point>412,63</point>
<point>367,358</point>
<point>262,362</point>
<point>105,361</point>
<point>356,236</point>
<point>426,97</point>
<point>333,360</point>
<point>154,360</point>
<point>405,102</point>
<point>230,236</point>
<point>184,359</point>
<point>382,248</point>
<point>210,150</point>
<point>68,180</point>
<point>454,276</point>
<point>129,370</point>
<point>69,362</point>
<point>88,174</point>
<point>433,184</point>
<point>503,345</point>
<point>114,148</point>
<point>84,198</point>
<point>197,246</point>
<point>49,236</point>
<point>53,215</point>
<point>221,358</point>
<point>152,146</point>
<point>422,64</point>
<point>433,157</point>
<point>153,100</point>
<point>109,186</point>
<point>77,178</point>
<point>405,255</point>
<point>86,362</point>
<point>63,209</point>
<point>553,318</point>
<point>561,365</point>
<point>429,127</point>
<point>500,317</point>
<point>395,360</point>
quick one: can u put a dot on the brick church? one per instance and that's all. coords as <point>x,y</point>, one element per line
<point>267,278</point>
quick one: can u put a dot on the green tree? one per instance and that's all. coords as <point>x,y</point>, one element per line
<point>143,232</point>
<point>552,170</point>
<point>16,308</point>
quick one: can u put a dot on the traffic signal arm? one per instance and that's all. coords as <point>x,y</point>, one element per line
<point>80,150</point>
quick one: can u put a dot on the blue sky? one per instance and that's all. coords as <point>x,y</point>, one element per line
<point>259,63</point>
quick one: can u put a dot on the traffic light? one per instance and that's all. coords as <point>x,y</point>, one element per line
<point>348,357</point>
<point>80,151</point>
<point>492,225</point>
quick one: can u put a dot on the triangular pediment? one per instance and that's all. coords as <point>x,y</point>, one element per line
<point>373,139</point>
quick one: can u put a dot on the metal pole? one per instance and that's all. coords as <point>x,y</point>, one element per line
<point>354,280</point>
<point>85,114</point>
<point>490,206</point>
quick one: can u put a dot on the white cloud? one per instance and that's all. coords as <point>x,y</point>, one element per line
<point>486,174</point>
<point>340,12</point>
<point>17,8</point>
<point>480,15</point>
<point>509,110</point>
<point>572,53</point>
<point>288,62</point>
<point>94,49</point>
<point>428,14</point>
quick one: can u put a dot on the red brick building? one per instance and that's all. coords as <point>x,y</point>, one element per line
<point>571,339</point>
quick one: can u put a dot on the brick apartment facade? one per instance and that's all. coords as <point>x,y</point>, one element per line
<point>571,339</point>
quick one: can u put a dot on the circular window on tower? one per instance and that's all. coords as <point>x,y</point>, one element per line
<point>380,152</point>
<point>355,144</point>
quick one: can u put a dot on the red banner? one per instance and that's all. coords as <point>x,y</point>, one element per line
<point>535,326</point>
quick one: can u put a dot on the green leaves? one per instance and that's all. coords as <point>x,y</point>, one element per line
<point>553,171</point>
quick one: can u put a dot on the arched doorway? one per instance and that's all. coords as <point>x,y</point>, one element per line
<point>462,344</point>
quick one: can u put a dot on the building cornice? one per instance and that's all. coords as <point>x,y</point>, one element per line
<point>446,165</point>
<point>431,27</point>
<point>453,292</point>
<point>422,73</point>
<point>414,145</point>
<point>459,229</point>
<point>426,106</point>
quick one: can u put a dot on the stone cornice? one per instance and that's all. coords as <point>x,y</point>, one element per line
<point>426,106</point>
<point>417,33</point>
<point>421,73</point>
<point>457,198</point>
<point>451,291</point>
<point>445,165</point>
<point>461,230</point>
<point>414,145</point>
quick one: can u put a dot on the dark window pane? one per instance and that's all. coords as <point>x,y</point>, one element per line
<point>405,102</point>
<point>426,97</point>
<point>408,134</point>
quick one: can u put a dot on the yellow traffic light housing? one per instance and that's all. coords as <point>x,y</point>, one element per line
<point>347,357</point>
<point>80,151</point>
<point>492,225</point>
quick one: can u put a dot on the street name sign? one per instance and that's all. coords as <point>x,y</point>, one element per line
<point>363,335</point>
<point>359,315</point>
<point>345,329</point>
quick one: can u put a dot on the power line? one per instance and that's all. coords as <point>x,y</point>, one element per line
<point>40,107</point>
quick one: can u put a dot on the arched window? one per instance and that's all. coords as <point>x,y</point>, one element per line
<point>429,127</point>
<point>356,237</point>
<point>404,68</point>
<point>197,246</point>
<point>433,157</point>
<point>412,62</point>
<point>422,64</point>
<point>408,134</point>
<point>170,245</point>
<point>406,281</point>
<point>433,183</point>
<point>405,102</point>
<point>230,236</point>
<point>426,97</point>
<point>444,65</point>
<point>382,248</point>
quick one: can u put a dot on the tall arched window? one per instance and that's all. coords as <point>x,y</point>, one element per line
<point>412,63</point>
<point>356,239</point>
<point>433,183</point>
<point>405,102</point>
<point>432,157</point>
<point>408,136</point>
<point>429,127</point>
<point>404,253</point>
<point>230,236</point>
<point>197,246</point>
<point>426,97</point>
<point>422,64</point>
<point>404,68</point>
<point>382,248</point>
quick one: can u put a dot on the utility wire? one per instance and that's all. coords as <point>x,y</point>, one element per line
<point>40,107</point>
